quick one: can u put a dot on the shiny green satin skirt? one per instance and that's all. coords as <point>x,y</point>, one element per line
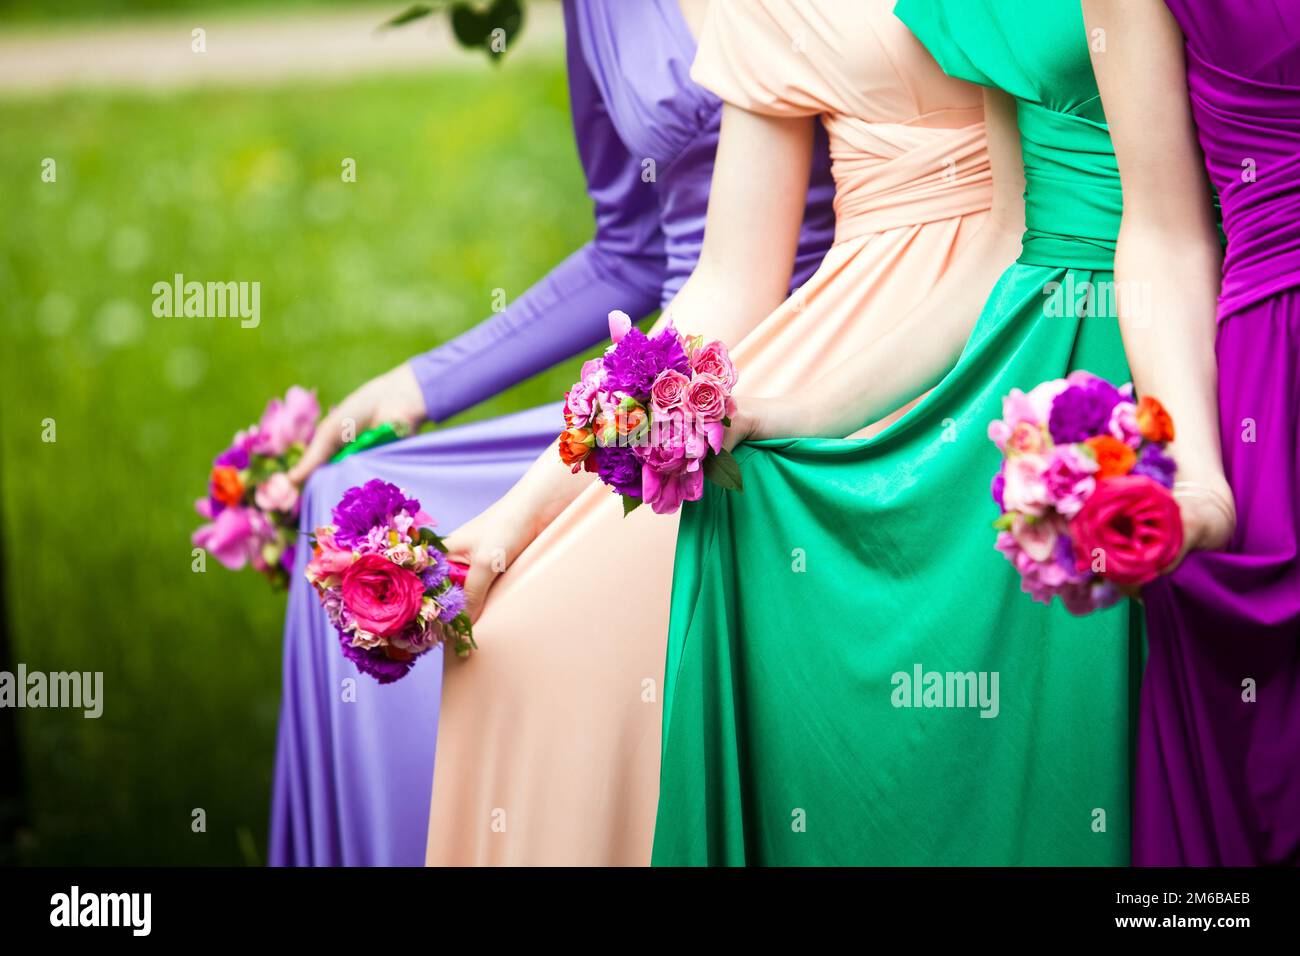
<point>854,675</point>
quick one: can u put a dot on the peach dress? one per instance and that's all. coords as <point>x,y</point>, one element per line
<point>548,744</point>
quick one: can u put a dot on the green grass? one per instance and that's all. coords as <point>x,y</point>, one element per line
<point>467,181</point>
<point>45,12</point>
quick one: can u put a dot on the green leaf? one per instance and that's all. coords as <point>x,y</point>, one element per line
<point>414,12</point>
<point>630,504</point>
<point>474,28</point>
<point>724,471</point>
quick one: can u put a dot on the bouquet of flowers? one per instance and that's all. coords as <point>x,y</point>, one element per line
<point>1084,490</point>
<point>649,416</point>
<point>385,582</point>
<point>252,506</point>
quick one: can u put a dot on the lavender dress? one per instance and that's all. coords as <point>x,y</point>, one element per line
<point>354,759</point>
<point>1218,774</point>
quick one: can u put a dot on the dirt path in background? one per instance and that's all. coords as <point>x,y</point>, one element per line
<point>246,49</point>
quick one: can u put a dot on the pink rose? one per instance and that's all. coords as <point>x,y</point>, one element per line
<point>706,398</point>
<point>1026,439</point>
<point>581,400</point>
<point>1025,489</point>
<point>381,597</point>
<point>669,390</point>
<point>288,422</point>
<point>233,537</point>
<point>714,360</point>
<point>1134,524</point>
<point>277,493</point>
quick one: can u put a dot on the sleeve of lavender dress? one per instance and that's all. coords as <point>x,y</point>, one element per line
<point>566,311</point>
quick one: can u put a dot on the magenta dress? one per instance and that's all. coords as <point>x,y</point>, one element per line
<point>354,759</point>
<point>1218,772</point>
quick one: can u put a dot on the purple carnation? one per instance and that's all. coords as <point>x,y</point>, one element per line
<point>1083,411</point>
<point>372,661</point>
<point>372,504</point>
<point>619,467</point>
<point>633,365</point>
<point>1156,465</point>
<point>452,601</point>
<point>998,487</point>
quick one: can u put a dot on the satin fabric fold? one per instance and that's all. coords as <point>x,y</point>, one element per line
<point>354,760</point>
<point>806,608</point>
<point>548,749</point>
<point>1218,775</point>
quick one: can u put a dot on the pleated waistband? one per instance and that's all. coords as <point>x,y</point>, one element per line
<point>1073,199</point>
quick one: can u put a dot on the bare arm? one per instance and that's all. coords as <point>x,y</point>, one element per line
<point>1167,263</point>
<point>926,341</point>
<point>751,233</point>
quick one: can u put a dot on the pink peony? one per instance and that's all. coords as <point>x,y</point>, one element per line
<point>714,360</point>
<point>234,537</point>
<point>1026,489</point>
<point>381,597</point>
<point>1037,538</point>
<point>329,559</point>
<point>1134,524</point>
<point>288,422</point>
<point>277,493</point>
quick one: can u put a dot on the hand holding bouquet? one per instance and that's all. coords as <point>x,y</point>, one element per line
<point>383,577</point>
<point>649,417</point>
<point>1084,490</point>
<point>252,506</point>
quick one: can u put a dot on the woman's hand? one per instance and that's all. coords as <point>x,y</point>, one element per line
<point>392,398</point>
<point>489,544</point>
<point>1209,518</point>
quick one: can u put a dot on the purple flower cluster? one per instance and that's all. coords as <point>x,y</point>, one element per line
<point>620,468</point>
<point>363,508</point>
<point>638,360</point>
<point>374,662</point>
<point>1083,410</point>
<point>1156,465</point>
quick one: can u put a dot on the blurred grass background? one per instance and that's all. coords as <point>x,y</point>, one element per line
<point>467,180</point>
<point>82,11</point>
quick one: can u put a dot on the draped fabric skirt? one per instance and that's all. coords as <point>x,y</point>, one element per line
<point>354,758</point>
<point>853,674</point>
<point>1218,778</point>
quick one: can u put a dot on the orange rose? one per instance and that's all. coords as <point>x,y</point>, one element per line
<point>225,485</point>
<point>575,445</point>
<point>629,421</point>
<point>1153,421</point>
<point>1114,457</point>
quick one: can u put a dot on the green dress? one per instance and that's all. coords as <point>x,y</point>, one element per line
<point>854,675</point>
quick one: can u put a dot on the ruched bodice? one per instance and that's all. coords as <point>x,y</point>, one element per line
<point>668,123</point>
<point>906,142</point>
<point>1037,51</point>
<point>1244,84</point>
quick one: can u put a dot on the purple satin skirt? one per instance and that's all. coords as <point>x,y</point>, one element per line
<point>1218,770</point>
<point>354,760</point>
